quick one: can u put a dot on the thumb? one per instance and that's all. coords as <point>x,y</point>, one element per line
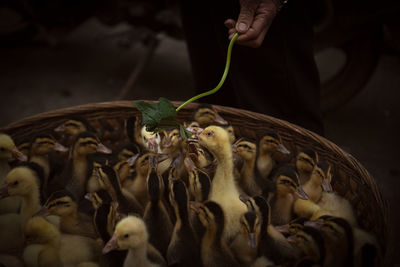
<point>246,16</point>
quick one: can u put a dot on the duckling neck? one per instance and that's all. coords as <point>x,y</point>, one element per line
<point>137,256</point>
<point>43,161</point>
<point>283,203</point>
<point>223,178</point>
<point>247,170</point>
<point>313,190</point>
<point>31,204</point>
<point>69,221</point>
<point>265,163</point>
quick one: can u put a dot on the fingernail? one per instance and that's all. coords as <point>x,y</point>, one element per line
<point>242,26</point>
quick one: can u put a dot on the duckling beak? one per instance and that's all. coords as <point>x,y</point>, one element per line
<point>167,142</point>
<point>153,146</point>
<point>43,212</point>
<point>199,131</point>
<point>112,244</point>
<point>60,147</point>
<point>292,239</point>
<point>243,198</point>
<point>234,148</point>
<point>88,196</point>
<point>314,224</point>
<point>252,240</point>
<point>103,149</point>
<point>283,149</point>
<point>60,128</point>
<point>18,154</point>
<point>132,160</point>
<point>300,193</point>
<point>218,119</point>
<point>283,228</point>
<point>195,206</point>
<point>4,191</point>
<point>326,185</point>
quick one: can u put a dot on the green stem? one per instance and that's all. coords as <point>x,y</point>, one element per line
<point>221,82</point>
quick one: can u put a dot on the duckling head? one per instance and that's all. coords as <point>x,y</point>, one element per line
<point>61,203</point>
<point>321,175</point>
<point>306,159</point>
<point>24,146</point>
<point>8,150</point>
<point>130,233</point>
<point>310,243</point>
<point>128,152</point>
<point>142,164</point>
<point>39,231</point>
<point>150,140</point>
<point>74,126</point>
<point>287,182</point>
<point>87,143</point>
<point>170,141</point>
<point>246,148</point>
<point>199,181</point>
<point>231,132</point>
<point>44,144</point>
<point>20,181</point>
<point>123,168</point>
<point>210,215</point>
<point>216,140</point>
<point>251,226</point>
<point>191,124</point>
<point>270,142</point>
<point>206,115</point>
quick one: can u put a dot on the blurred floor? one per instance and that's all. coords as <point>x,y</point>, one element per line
<point>87,68</point>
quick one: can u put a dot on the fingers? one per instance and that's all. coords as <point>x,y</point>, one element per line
<point>248,9</point>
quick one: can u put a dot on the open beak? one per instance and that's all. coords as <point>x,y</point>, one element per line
<point>252,240</point>
<point>103,149</point>
<point>326,185</point>
<point>60,128</point>
<point>59,147</point>
<point>112,244</point>
<point>4,191</point>
<point>153,146</point>
<point>300,193</point>
<point>18,154</point>
<point>218,119</point>
<point>292,239</point>
<point>132,160</point>
<point>283,149</point>
<point>283,228</point>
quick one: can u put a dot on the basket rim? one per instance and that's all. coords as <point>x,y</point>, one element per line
<point>89,108</point>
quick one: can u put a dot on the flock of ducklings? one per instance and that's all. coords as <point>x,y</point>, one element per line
<point>211,200</point>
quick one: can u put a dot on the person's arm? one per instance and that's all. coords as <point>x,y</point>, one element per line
<point>254,20</point>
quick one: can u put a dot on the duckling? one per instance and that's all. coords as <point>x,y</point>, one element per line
<point>20,181</point>
<point>183,249</point>
<point>206,115</point>
<point>247,150</point>
<point>231,132</point>
<point>171,146</point>
<point>245,245</point>
<point>133,128</point>
<point>131,234</point>
<point>287,186</point>
<point>306,159</point>
<point>8,151</point>
<point>127,203</point>
<point>199,181</point>
<point>71,128</point>
<point>214,250</point>
<point>138,187</point>
<point>62,203</point>
<point>24,146</point>
<point>272,244</point>
<point>310,244</point>
<point>42,151</point>
<point>79,167</point>
<point>224,190</point>
<point>202,158</point>
<point>150,140</point>
<point>43,242</point>
<point>156,215</point>
<point>269,143</point>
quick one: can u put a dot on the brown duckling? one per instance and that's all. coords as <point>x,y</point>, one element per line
<point>206,115</point>
<point>199,181</point>
<point>247,150</point>
<point>62,203</point>
<point>245,245</point>
<point>287,189</point>
<point>156,215</point>
<point>272,244</point>
<point>201,157</point>
<point>131,234</point>
<point>79,167</point>
<point>183,249</point>
<point>224,190</point>
<point>306,159</point>
<point>128,151</point>
<point>127,203</point>
<point>171,145</point>
<point>269,143</point>
<point>214,250</point>
<point>71,128</point>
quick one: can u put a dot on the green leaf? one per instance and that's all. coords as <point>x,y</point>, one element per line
<point>185,134</point>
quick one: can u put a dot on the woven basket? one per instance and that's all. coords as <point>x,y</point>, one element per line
<point>351,179</point>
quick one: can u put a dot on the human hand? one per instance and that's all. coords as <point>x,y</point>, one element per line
<point>253,22</point>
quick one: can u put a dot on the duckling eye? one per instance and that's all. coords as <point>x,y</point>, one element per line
<point>126,235</point>
<point>2,149</point>
<point>15,183</point>
<point>209,133</point>
<point>144,137</point>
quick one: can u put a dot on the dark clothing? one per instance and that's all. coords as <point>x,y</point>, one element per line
<point>279,78</point>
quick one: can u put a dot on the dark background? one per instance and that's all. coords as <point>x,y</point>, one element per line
<point>56,55</point>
